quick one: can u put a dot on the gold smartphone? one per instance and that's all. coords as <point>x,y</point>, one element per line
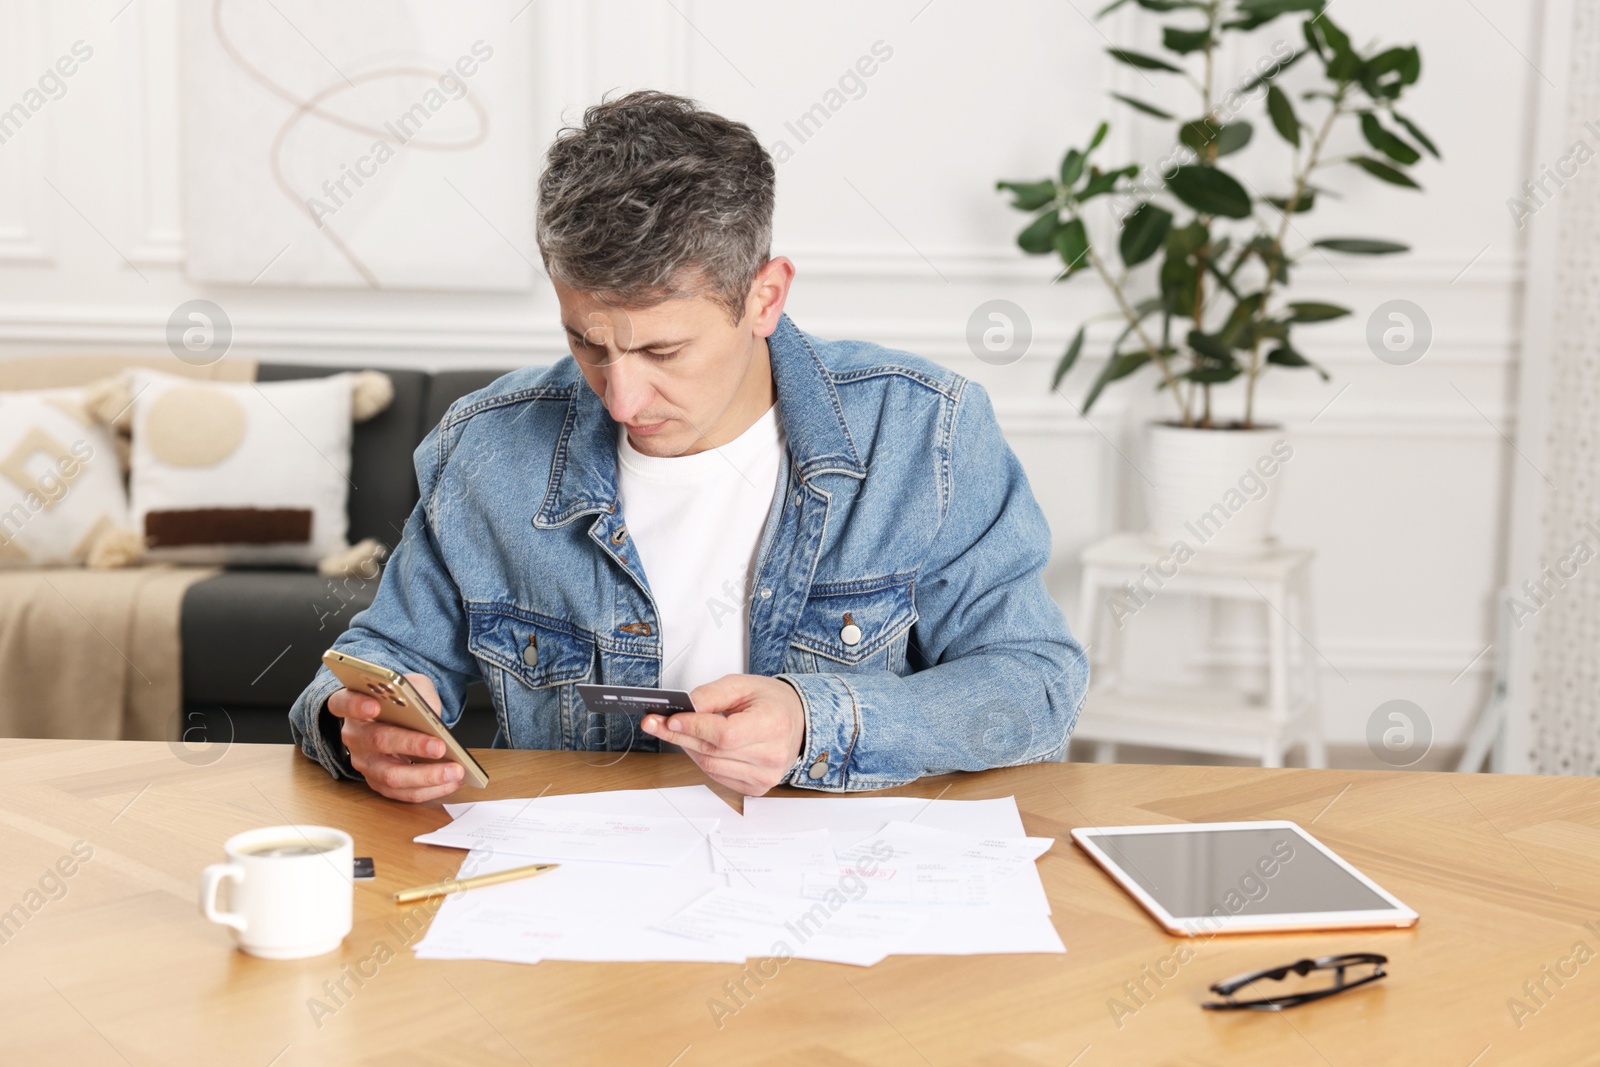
<point>399,704</point>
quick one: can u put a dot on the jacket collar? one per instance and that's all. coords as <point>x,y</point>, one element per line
<point>583,477</point>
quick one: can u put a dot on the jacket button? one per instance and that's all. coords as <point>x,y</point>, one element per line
<point>530,655</point>
<point>851,634</point>
<point>818,768</point>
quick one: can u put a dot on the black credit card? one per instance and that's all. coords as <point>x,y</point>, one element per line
<point>633,700</point>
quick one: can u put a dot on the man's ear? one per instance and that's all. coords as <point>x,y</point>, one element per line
<point>768,293</point>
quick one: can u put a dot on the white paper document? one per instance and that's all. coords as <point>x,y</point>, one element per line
<point>574,835</point>
<point>999,857</point>
<point>764,926</point>
<point>739,853</point>
<point>678,875</point>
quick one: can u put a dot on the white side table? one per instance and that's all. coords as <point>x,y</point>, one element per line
<point>1265,726</point>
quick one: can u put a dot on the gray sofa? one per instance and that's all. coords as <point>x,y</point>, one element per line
<point>252,638</point>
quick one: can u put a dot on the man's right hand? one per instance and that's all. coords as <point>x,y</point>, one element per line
<point>383,753</point>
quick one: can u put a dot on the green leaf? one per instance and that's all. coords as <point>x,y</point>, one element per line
<point>1212,375</point>
<point>1212,350</point>
<point>1201,134</point>
<point>1214,361</point>
<point>1283,116</point>
<point>1119,366</point>
<point>1068,359</point>
<point>1274,8</point>
<point>1266,249</point>
<point>1340,61</point>
<point>1404,62</point>
<point>1307,201</point>
<point>1039,236</point>
<point>1382,170</point>
<point>1184,42</point>
<point>1233,136</point>
<point>1310,311</point>
<point>1209,191</point>
<point>1344,67</point>
<point>1288,357</point>
<point>1416,134</point>
<point>1099,135</point>
<point>1337,40</point>
<point>1360,246</point>
<point>1386,142</point>
<point>1072,167</point>
<point>1099,183</point>
<point>1030,196</point>
<point>1072,245</point>
<point>1142,61</point>
<point>1140,105</point>
<point>1143,233</point>
<point>1278,331</point>
<point>1234,332</point>
<point>1308,30</point>
<point>1197,134</point>
<point>1178,279</point>
<point>1178,272</point>
<point>1259,12</point>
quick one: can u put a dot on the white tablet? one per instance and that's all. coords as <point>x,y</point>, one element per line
<point>1199,879</point>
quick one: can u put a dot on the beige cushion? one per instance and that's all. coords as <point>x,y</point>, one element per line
<point>226,473</point>
<point>60,480</point>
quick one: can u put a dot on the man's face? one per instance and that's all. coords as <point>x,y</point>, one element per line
<point>678,374</point>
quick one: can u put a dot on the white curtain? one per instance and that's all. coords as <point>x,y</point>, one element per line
<point>1564,733</point>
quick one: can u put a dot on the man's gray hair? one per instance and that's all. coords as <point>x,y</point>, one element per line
<point>654,198</point>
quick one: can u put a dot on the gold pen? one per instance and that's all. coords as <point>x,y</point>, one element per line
<point>439,889</point>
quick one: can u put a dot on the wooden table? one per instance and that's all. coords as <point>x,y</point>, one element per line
<point>121,968</point>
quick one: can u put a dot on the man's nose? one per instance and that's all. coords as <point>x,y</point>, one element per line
<point>627,393</point>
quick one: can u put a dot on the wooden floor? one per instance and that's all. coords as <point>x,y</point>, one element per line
<point>114,965</point>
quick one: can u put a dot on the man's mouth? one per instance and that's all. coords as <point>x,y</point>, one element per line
<point>645,429</point>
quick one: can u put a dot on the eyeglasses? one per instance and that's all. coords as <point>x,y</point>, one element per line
<point>1362,967</point>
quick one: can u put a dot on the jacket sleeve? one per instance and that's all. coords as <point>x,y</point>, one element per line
<point>415,625</point>
<point>1007,679</point>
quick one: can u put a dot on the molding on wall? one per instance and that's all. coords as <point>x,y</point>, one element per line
<point>1006,263</point>
<point>474,332</point>
<point>151,90</point>
<point>1451,661</point>
<point>22,157</point>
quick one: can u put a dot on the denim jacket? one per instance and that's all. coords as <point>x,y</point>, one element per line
<point>901,508</point>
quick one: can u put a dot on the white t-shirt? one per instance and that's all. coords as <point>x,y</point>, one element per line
<point>696,524</point>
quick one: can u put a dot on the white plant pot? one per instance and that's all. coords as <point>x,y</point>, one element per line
<point>1214,490</point>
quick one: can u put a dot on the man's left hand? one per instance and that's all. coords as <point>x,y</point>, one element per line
<point>745,732</point>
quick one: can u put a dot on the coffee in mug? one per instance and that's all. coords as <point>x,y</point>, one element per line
<point>292,890</point>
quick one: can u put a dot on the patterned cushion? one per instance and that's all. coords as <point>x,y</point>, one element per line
<point>60,481</point>
<point>247,473</point>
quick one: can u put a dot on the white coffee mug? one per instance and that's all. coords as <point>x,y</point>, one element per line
<point>293,890</point>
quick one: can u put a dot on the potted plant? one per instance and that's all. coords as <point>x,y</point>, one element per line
<point>1220,252</point>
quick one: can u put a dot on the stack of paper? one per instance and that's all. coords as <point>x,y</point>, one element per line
<point>676,874</point>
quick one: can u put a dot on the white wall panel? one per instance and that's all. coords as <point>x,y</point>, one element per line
<point>888,209</point>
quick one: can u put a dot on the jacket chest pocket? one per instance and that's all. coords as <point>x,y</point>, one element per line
<point>529,662</point>
<point>854,626</point>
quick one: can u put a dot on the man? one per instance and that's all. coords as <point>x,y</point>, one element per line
<point>829,542</point>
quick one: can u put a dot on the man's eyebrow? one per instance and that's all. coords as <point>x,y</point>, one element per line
<point>653,345</point>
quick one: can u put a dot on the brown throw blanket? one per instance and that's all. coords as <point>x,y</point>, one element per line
<point>95,653</point>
